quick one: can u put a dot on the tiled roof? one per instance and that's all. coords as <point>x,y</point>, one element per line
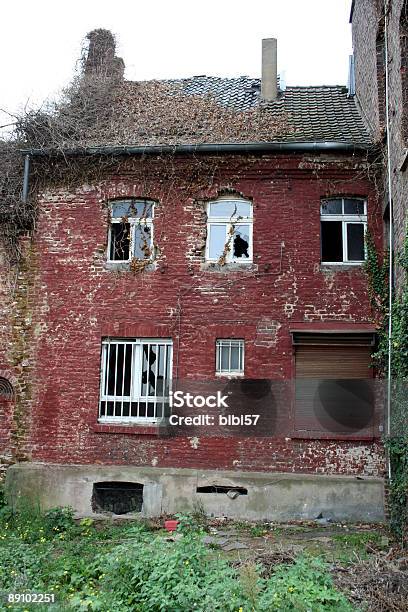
<point>318,113</point>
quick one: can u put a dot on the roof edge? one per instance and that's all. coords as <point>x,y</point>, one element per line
<point>201,148</point>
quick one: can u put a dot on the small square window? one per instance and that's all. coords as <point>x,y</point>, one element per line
<point>230,356</point>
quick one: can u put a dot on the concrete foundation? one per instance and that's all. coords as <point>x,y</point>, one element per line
<point>270,496</point>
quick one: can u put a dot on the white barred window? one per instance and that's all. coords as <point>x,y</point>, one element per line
<point>131,230</point>
<point>135,379</point>
<point>230,356</point>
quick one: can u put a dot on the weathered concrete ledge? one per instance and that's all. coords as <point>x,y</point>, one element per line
<point>270,496</point>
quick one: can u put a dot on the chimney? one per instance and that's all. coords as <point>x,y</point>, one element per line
<point>269,86</point>
<point>101,59</point>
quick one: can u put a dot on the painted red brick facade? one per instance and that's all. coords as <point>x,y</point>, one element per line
<point>67,299</point>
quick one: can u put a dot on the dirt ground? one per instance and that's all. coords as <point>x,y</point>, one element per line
<point>365,562</point>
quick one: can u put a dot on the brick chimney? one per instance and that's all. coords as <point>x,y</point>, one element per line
<point>101,57</point>
<point>269,85</point>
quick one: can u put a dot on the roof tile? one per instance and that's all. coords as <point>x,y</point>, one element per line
<point>318,113</point>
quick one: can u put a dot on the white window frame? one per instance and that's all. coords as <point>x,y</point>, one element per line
<point>228,222</point>
<point>133,222</point>
<point>226,343</point>
<point>345,219</point>
<point>136,379</point>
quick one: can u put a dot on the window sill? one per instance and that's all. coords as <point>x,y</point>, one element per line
<point>126,427</point>
<point>213,266</point>
<point>126,266</point>
<point>340,266</point>
<point>351,437</point>
<point>230,375</point>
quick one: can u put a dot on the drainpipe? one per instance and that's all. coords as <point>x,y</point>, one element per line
<point>26,178</point>
<point>391,229</point>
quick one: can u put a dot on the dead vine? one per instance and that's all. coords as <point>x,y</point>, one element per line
<point>99,108</point>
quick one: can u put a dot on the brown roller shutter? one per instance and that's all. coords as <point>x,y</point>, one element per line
<point>334,394</point>
<point>333,362</point>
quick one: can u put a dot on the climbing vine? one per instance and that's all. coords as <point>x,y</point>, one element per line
<point>397,442</point>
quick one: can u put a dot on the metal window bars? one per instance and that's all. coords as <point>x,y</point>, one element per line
<point>135,379</point>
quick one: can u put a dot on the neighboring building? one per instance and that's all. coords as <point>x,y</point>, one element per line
<point>367,19</point>
<point>234,264</point>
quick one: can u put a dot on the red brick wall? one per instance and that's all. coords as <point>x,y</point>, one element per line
<point>78,300</point>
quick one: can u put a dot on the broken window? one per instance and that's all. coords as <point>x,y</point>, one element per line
<point>135,379</point>
<point>117,497</point>
<point>131,230</point>
<point>343,227</point>
<point>229,231</point>
<point>230,356</point>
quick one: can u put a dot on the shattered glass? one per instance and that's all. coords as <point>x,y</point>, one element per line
<point>120,241</point>
<point>241,242</point>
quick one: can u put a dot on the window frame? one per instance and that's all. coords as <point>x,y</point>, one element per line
<point>228,222</point>
<point>223,343</point>
<point>345,219</point>
<point>135,380</point>
<point>133,222</point>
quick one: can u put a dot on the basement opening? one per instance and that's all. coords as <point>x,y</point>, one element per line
<point>222,489</point>
<point>117,497</point>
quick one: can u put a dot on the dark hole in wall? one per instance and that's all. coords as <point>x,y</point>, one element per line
<point>6,389</point>
<point>222,489</point>
<point>117,497</point>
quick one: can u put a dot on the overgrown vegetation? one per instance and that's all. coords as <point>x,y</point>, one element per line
<point>397,442</point>
<point>128,567</point>
<point>100,109</point>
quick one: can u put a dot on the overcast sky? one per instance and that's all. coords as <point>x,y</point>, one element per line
<point>40,41</point>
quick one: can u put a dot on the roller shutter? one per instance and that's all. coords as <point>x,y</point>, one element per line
<point>334,391</point>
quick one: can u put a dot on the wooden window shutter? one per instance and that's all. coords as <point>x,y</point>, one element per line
<point>334,391</point>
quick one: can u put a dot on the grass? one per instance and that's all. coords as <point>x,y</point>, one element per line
<point>134,565</point>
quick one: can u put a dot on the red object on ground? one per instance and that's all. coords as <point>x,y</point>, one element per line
<point>170,525</point>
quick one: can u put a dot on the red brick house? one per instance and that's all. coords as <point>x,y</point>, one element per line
<point>231,264</point>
